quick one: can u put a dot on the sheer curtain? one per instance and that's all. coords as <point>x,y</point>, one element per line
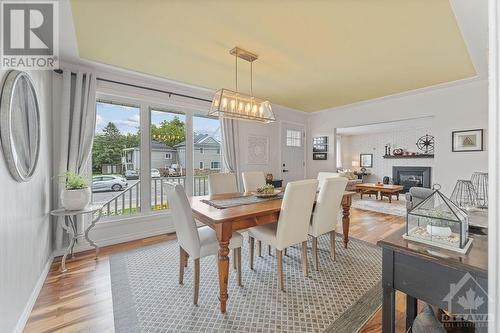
<point>74,135</point>
<point>230,144</point>
<point>338,151</point>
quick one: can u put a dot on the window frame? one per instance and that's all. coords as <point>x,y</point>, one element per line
<point>211,165</point>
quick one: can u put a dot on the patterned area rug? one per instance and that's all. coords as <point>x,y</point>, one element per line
<point>396,207</point>
<point>340,297</point>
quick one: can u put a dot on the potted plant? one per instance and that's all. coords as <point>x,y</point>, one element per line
<point>76,192</point>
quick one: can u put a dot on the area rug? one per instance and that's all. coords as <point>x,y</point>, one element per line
<point>396,207</point>
<point>340,297</point>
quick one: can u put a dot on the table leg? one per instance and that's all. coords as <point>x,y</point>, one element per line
<point>390,197</point>
<point>73,225</point>
<point>67,224</point>
<point>411,311</point>
<point>224,233</point>
<point>91,242</point>
<point>388,310</point>
<point>346,206</point>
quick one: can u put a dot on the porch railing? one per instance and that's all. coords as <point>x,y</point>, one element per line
<point>128,201</point>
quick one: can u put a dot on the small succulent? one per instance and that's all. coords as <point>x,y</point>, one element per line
<point>73,181</point>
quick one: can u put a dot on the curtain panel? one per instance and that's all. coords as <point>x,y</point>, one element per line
<point>230,144</point>
<point>75,131</point>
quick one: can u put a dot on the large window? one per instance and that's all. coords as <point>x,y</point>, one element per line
<point>293,138</point>
<point>168,154</point>
<point>206,152</point>
<point>116,158</point>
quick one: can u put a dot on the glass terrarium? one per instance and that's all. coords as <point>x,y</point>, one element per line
<point>439,222</point>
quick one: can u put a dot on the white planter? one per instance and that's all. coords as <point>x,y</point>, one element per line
<point>75,199</point>
<point>439,231</point>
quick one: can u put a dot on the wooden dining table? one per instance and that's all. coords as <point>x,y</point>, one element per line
<point>226,221</point>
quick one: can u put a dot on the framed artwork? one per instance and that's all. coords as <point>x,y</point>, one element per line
<point>366,160</point>
<point>468,140</point>
<point>258,149</point>
<point>320,156</point>
<point>320,144</point>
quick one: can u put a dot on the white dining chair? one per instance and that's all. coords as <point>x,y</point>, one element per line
<point>222,183</point>
<point>252,180</point>
<point>322,176</point>
<point>196,243</point>
<point>293,224</point>
<point>326,210</point>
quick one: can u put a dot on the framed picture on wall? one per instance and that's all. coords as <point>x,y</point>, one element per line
<point>320,144</point>
<point>469,140</point>
<point>320,156</point>
<point>366,160</point>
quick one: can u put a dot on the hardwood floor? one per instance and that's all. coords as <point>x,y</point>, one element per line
<point>80,299</point>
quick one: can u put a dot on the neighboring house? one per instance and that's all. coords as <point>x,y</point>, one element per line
<point>207,155</point>
<point>162,156</point>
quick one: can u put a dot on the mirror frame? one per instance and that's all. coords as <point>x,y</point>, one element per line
<point>11,80</point>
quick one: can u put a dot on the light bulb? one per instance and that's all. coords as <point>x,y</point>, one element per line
<point>254,109</point>
<point>233,105</point>
<point>261,110</point>
<point>247,108</point>
<point>240,107</point>
<point>224,104</point>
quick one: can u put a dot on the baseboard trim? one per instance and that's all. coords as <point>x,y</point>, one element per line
<point>23,319</point>
<point>122,238</point>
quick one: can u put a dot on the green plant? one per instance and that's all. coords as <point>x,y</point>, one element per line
<point>75,182</point>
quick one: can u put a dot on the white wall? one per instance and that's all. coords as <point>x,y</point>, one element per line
<point>25,226</point>
<point>459,106</point>
<point>404,137</point>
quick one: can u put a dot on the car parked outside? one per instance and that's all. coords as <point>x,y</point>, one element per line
<point>131,174</point>
<point>155,173</point>
<point>108,183</point>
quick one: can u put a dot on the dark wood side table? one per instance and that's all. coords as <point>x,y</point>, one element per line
<point>436,276</point>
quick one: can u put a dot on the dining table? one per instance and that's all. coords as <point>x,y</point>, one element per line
<point>226,220</point>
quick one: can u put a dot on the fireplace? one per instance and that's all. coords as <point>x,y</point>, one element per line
<point>409,176</point>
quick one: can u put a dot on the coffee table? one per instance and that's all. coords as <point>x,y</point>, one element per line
<point>384,190</point>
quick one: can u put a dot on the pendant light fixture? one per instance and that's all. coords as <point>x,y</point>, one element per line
<point>236,105</point>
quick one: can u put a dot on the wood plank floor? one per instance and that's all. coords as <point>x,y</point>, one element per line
<point>80,299</point>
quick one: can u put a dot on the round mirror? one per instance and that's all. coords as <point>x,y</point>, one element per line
<point>20,125</point>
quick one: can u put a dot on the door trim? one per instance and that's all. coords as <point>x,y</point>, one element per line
<point>280,147</point>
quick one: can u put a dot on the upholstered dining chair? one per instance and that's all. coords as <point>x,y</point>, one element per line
<point>322,176</point>
<point>252,180</point>
<point>293,224</point>
<point>222,183</point>
<point>196,242</point>
<point>324,219</point>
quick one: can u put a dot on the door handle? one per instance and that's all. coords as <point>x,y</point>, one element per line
<point>284,170</point>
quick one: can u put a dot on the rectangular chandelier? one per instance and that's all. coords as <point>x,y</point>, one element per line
<point>236,105</point>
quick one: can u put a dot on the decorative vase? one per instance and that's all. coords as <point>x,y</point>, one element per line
<point>75,199</point>
<point>269,177</point>
<point>439,231</point>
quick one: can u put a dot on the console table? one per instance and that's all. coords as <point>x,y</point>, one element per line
<point>68,219</point>
<point>433,275</point>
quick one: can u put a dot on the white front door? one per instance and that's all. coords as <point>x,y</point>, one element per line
<point>292,152</point>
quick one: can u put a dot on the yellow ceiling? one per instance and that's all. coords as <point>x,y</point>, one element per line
<point>313,54</point>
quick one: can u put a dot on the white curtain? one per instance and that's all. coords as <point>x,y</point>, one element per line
<point>76,126</point>
<point>230,144</point>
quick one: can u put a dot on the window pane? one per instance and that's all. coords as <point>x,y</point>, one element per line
<point>115,159</point>
<point>206,152</point>
<point>293,138</point>
<point>168,154</point>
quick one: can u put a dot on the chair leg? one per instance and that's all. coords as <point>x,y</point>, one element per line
<point>234,259</point>
<point>259,248</point>
<point>182,255</point>
<point>284,252</point>
<point>332,245</point>
<point>250,262</point>
<point>315,252</point>
<point>304,259</point>
<point>279,256</point>
<point>186,258</point>
<point>269,249</point>
<point>196,280</point>
<point>238,266</point>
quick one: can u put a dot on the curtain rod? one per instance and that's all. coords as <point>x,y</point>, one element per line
<point>170,93</point>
